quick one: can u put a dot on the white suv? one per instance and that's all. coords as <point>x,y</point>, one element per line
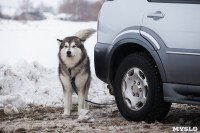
<point>148,51</point>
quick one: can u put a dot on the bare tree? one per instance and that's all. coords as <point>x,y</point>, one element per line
<point>66,7</point>
<point>44,8</point>
<point>95,8</point>
<point>81,10</point>
<point>1,15</point>
<point>26,6</point>
<point>28,12</point>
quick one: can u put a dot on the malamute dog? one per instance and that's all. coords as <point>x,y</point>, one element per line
<point>74,66</point>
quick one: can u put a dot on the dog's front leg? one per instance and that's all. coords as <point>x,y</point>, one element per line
<point>81,100</point>
<point>67,102</point>
<point>86,106</point>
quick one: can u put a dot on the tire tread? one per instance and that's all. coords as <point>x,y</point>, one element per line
<point>159,107</point>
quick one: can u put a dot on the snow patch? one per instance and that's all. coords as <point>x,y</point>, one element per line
<point>31,83</point>
<point>86,116</point>
<point>36,81</point>
<point>10,110</point>
<point>15,100</point>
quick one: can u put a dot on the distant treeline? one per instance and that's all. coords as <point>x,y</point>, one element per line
<point>81,10</point>
<point>75,10</point>
<point>26,11</point>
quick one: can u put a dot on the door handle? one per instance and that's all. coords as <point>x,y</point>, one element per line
<point>156,15</point>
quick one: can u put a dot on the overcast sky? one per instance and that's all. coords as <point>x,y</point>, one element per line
<point>15,3</point>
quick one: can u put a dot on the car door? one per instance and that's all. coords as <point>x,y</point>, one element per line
<point>177,24</point>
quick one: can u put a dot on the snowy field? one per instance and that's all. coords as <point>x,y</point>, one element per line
<point>29,82</point>
<point>28,63</point>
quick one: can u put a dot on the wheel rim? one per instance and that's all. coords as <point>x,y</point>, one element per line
<point>135,88</point>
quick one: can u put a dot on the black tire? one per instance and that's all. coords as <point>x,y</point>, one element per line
<point>155,108</point>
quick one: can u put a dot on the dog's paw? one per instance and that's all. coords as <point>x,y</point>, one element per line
<point>65,115</point>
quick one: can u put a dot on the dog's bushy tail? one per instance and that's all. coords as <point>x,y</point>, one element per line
<point>85,34</point>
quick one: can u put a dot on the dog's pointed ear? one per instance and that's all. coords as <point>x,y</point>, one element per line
<point>59,41</point>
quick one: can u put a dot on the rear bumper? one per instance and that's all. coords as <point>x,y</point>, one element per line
<point>101,61</point>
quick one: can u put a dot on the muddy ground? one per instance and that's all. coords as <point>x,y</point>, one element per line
<point>107,119</point>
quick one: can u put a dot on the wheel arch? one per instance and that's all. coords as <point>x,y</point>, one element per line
<point>126,47</point>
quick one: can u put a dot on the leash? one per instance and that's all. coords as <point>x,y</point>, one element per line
<point>75,90</point>
<point>100,103</point>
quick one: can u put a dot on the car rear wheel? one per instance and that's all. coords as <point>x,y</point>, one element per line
<point>138,89</point>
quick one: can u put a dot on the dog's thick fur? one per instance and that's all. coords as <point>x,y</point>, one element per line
<point>74,62</point>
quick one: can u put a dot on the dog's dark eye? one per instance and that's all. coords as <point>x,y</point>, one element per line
<point>73,46</point>
<point>65,46</point>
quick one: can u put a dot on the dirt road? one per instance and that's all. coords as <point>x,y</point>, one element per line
<point>106,119</point>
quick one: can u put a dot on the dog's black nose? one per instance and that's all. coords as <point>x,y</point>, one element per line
<point>68,53</point>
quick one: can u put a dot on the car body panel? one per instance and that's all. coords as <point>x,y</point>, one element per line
<point>172,39</point>
<point>180,26</point>
<point>179,31</point>
<point>110,24</point>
